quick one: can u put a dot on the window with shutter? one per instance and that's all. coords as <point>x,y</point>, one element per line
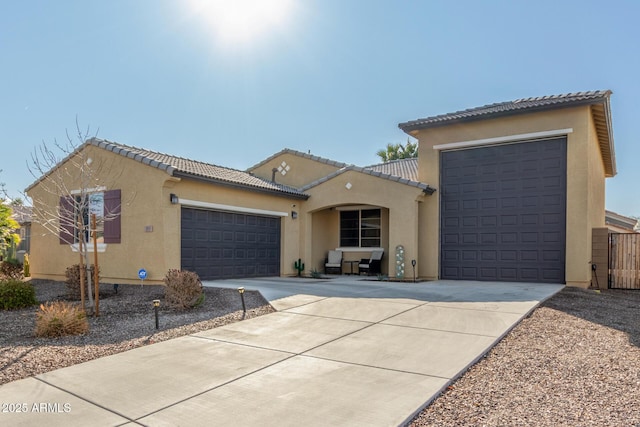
<point>112,217</point>
<point>106,207</point>
<point>66,217</point>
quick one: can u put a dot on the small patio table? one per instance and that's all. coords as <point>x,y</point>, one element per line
<point>352,263</point>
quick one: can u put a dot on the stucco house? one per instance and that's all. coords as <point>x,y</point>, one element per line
<point>508,191</point>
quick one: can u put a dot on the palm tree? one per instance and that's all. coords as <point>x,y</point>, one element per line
<point>398,151</point>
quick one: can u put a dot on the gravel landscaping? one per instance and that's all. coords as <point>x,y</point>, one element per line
<point>574,362</point>
<point>126,321</point>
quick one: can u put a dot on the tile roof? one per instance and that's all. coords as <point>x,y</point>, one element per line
<point>599,100</point>
<point>405,168</point>
<point>404,171</point>
<point>523,105</point>
<point>299,154</point>
<point>402,180</point>
<point>178,166</point>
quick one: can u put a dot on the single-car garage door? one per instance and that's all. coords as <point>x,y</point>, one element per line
<point>503,211</point>
<point>226,245</point>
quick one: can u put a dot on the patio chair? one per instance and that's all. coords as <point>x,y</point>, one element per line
<point>333,262</point>
<point>372,265</point>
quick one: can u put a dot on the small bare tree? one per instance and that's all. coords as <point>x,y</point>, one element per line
<point>68,172</point>
<point>3,190</point>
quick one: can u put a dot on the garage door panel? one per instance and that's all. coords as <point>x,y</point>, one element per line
<point>529,274</point>
<point>469,221</point>
<point>553,275</point>
<point>469,273</point>
<point>518,213</point>
<point>451,239</point>
<point>506,274</point>
<point>506,202</point>
<point>488,255</point>
<point>488,220</point>
<point>219,245</point>
<point>506,220</point>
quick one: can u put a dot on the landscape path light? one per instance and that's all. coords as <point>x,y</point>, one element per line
<point>244,307</point>
<point>156,306</point>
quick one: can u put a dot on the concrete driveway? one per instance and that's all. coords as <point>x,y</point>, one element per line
<point>338,352</point>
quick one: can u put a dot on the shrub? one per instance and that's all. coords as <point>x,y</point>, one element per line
<point>11,269</point>
<point>183,289</point>
<point>16,294</point>
<point>73,281</point>
<point>59,318</point>
<point>26,268</point>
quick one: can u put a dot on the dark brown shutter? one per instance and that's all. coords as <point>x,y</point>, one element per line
<point>112,216</point>
<point>66,220</point>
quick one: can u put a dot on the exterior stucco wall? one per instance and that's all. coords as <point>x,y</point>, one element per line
<point>302,170</point>
<point>141,201</point>
<point>585,178</point>
<point>400,202</point>
<point>325,229</point>
<point>428,257</point>
<point>146,206</point>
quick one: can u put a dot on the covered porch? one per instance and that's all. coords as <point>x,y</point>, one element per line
<point>358,214</point>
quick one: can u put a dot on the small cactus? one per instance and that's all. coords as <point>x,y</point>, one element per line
<point>299,265</point>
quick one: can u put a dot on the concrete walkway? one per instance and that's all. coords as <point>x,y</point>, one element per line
<point>337,352</point>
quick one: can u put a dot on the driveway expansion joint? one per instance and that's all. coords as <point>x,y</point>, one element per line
<point>113,411</point>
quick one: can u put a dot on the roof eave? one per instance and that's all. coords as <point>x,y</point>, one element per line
<point>601,115</point>
<point>288,195</point>
<point>416,125</point>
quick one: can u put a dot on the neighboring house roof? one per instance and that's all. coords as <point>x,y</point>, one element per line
<point>22,214</point>
<point>181,167</point>
<point>299,154</point>
<point>599,100</point>
<point>405,168</point>
<point>620,221</point>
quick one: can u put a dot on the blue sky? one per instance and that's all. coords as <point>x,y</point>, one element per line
<point>333,77</point>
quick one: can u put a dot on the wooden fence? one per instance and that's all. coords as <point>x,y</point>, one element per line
<point>624,260</point>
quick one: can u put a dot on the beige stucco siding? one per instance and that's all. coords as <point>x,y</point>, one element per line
<point>585,177</point>
<point>141,203</point>
<point>399,215</point>
<point>150,224</point>
<point>301,171</point>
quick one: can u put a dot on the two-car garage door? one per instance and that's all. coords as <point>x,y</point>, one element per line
<point>503,212</point>
<point>225,245</point>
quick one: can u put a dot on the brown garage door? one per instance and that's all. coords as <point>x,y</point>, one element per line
<point>503,211</point>
<point>227,245</point>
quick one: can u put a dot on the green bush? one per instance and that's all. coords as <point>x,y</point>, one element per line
<point>15,294</point>
<point>60,318</point>
<point>183,289</point>
<point>11,269</point>
<point>73,281</point>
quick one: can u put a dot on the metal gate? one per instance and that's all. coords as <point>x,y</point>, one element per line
<point>624,260</point>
